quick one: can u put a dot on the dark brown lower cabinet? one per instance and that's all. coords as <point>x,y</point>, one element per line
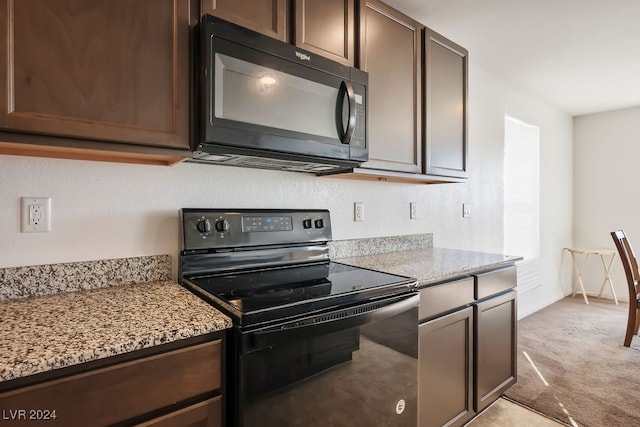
<point>467,346</point>
<point>446,370</point>
<point>176,388</point>
<point>496,340</point>
<point>203,414</point>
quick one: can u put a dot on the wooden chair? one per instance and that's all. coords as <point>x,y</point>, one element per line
<point>630,264</point>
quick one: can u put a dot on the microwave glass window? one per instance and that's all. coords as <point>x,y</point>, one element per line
<point>251,93</point>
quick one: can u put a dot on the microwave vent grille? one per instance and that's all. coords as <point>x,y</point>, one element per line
<point>262,162</point>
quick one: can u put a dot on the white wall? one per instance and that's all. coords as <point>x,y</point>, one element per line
<point>606,161</point>
<point>108,210</point>
<point>494,100</point>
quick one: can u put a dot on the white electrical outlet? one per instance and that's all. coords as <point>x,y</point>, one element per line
<point>358,211</point>
<point>36,214</point>
<point>466,210</point>
<point>413,210</point>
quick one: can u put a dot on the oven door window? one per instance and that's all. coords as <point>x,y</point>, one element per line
<point>364,375</point>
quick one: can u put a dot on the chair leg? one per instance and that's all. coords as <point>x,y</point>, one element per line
<point>635,331</point>
<point>632,323</point>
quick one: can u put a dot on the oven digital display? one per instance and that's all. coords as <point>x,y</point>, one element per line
<point>267,223</point>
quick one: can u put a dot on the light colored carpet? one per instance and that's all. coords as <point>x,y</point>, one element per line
<point>505,413</point>
<point>592,379</point>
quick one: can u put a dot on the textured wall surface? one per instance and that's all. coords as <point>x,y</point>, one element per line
<point>108,210</point>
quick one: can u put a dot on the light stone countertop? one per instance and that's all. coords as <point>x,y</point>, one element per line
<point>49,332</point>
<point>432,265</point>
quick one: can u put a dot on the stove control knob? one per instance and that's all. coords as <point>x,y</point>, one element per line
<point>306,223</point>
<point>203,226</point>
<point>222,226</point>
<point>319,223</point>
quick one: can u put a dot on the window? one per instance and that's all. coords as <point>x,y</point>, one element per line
<point>522,199</point>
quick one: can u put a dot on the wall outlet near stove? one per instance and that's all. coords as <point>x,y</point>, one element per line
<point>413,210</point>
<point>358,211</point>
<point>36,214</point>
<point>466,210</point>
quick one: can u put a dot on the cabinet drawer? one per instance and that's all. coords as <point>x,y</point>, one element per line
<point>494,282</point>
<point>123,391</point>
<point>448,296</point>
<point>203,414</point>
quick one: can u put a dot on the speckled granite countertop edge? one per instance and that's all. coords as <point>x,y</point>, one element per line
<point>96,324</point>
<point>431,266</point>
<point>466,272</point>
<point>49,279</point>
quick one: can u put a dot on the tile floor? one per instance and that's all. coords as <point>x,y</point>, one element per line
<point>504,413</point>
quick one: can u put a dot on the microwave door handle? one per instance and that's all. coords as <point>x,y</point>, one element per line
<point>346,89</point>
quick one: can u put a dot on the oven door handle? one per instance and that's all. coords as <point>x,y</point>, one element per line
<point>338,320</point>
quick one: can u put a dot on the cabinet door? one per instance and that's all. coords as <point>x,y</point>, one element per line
<point>203,414</point>
<point>496,341</point>
<point>268,17</point>
<point>114,70</point>
<point>445,107</point>
<point>445,370</point>
<point>326,28</point>
<point>390,51</point>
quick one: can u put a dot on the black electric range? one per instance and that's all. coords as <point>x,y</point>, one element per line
<point>302,322</point>
<point>262,296</point>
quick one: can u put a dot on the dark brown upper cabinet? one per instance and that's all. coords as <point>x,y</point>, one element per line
<point>326,28</point>
<point>446,99</point>
<point>391,52</point>
<point>264,16</point>
<point>95,70</point>
<point>109,70</point>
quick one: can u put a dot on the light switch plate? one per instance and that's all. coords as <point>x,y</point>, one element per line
<point>36,214</point>
<point>466,210</point>
<point>413,210</point>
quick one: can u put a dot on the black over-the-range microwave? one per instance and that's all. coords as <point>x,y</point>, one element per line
<point>268,104</point>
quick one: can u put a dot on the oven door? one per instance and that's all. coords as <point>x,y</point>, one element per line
<point>351,367</point>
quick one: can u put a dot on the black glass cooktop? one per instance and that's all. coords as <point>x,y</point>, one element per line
<point>259,296</point>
